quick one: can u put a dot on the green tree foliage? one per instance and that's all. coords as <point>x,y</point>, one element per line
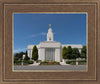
<point>75,53</point>
<point>35,53</point>
<point>69,55</point>
<point>18,56</point>
<point>83,52</point>
<point>26,57</point>
<point>64,52</point>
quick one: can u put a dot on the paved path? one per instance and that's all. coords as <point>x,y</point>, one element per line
<point>52,67</point>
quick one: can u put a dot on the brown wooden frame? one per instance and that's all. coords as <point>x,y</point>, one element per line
<point>8,7</point>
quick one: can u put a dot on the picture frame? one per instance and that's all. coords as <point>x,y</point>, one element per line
<point>8,7</point>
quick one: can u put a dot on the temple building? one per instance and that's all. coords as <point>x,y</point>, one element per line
<point>50,50</point>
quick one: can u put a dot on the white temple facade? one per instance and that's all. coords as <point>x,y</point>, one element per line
<point>50,50</point>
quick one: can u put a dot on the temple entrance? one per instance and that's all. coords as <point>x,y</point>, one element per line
<point>49,54</point>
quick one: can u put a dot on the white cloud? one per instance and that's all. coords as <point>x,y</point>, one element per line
<point>33,35</point>
<point>39,34</point>
<point>43,33</point>
<point>19,50</point>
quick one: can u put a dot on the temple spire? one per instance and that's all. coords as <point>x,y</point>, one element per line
<point>50,34</point>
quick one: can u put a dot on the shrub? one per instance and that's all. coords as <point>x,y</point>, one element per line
<point>49,63</point>
<point>45,61</point>
<point>82,61</point>
<point>39,61</point>
<point>28,62</point>
<point>70,62</point>
<point>17,62</point>
<point>53,61</point>
<point>73,62</point>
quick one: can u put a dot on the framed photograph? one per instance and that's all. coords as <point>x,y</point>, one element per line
<point>52,41</point>
<point>46,53</point>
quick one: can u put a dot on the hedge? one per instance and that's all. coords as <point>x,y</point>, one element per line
<point>74,62</point>
<point>69,62</point>
<point>28,62</point>
<point>25,62</point>
<point>17,62</point>
<point>82,61</point>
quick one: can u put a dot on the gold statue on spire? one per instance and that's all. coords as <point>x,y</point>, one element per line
<point>49,25</point>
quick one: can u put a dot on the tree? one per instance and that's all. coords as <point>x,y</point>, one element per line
<point>83,52</point>
<point>69,55</point>
<point>35,53</point>
<point>26,56</point>
<point>75,53</point>
<point>18,56</point>
<point>64,52</point>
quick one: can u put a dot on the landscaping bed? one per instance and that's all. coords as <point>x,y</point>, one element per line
<point>49,63</point>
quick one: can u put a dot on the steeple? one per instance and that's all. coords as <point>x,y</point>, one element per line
<point>50,34</point>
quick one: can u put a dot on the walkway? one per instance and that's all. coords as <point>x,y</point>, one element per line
<point>52,67</point>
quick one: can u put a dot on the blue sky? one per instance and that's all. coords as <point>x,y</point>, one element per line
<point>30,29</point>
